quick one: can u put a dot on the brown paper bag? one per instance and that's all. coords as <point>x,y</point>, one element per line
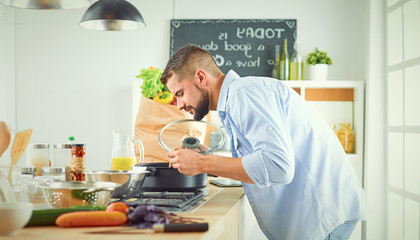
<point>151,118</point>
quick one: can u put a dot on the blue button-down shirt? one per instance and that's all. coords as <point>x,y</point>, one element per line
<point>304,185</point>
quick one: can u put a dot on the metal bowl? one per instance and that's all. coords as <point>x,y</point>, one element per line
<point>131,181</point>
<point>68,193</point>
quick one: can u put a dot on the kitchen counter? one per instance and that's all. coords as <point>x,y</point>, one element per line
<point>221,212</point>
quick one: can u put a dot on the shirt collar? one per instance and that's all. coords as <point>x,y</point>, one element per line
<point>230,76</point>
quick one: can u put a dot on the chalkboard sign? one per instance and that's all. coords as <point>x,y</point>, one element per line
<point>244,45</point>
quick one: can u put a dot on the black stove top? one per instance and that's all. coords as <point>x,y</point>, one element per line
<point>170,201</point>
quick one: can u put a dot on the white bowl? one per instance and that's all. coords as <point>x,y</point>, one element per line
<point>14,216</point>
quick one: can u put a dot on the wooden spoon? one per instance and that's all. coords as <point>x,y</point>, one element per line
<point>4,137</point>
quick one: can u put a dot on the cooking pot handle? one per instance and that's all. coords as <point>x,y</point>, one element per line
<point>152,171</point>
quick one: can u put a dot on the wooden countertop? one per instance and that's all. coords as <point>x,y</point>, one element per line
<point>221,212</point>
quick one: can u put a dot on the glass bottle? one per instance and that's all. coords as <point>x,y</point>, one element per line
<point>276,66</point>
<point>296,64</point>
<point>284,62</point>
<point>346,137</point>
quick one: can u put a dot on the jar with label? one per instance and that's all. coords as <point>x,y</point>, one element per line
<point>38,155</point>
<point>78,162</point>
<point>61,155</point>
<point>346,137</point>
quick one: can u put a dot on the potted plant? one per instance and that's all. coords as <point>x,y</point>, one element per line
<point>318,62</point>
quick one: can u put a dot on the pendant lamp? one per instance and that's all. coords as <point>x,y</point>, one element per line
<point>46,4</point>
<point>112,15</point>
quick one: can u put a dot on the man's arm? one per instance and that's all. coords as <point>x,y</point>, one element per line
<point>191,163</point>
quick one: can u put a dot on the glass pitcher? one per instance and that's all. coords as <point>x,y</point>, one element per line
<point>12,187</point>
<point>123,153</point>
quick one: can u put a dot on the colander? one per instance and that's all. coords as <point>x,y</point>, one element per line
<point>70,193</point>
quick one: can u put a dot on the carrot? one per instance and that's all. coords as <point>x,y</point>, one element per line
<point>91,219</point>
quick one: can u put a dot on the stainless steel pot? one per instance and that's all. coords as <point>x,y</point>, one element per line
<point>131,181</point>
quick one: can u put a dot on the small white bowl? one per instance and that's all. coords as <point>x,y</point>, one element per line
<point>14,216</point>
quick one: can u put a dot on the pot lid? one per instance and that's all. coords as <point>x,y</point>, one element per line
<point>202,136</point>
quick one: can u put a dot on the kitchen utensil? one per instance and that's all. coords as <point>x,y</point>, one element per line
<point>191,136</point>
<point>226,182</point>
<point>4,137</point>
<point>159,228</point>
<point>164,178</point>
<point>14,216</point>
<point>123,154</point>
<point>131,181</point>
<point>70,193</point>
<point>20,143</point>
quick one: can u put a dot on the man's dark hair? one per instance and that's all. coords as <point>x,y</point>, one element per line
<point>186,61</point>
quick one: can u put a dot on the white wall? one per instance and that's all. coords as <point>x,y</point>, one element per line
<point>7,72</point>
<point>71,81</point>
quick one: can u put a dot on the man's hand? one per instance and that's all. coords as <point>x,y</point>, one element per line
<point>187,161</point>
<point>190,162</point>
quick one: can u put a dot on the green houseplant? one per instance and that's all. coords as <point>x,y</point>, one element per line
<point>318,57</point>
<point>318,62</point>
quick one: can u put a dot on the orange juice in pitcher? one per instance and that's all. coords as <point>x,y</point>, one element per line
<point>122,163</point>
<point>123,154</point>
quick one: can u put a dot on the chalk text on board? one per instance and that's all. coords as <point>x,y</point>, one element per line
<point>210,46</point>
<point>223,36</point>
<point>259,33</point>
<point>248,63</point>
<point>236,47</point>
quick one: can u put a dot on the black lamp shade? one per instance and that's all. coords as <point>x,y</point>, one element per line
<point>112,15</point>
<point>46,4</point>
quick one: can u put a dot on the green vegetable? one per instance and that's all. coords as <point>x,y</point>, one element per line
<point>151,84</point>
<point>46,217</point>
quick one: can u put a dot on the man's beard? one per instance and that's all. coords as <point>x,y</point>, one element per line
<point>203,105</point>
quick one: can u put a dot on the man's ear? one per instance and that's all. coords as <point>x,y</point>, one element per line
<point>201,78</point>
